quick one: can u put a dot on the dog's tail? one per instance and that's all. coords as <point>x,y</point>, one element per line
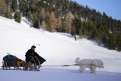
<point>77,60</point>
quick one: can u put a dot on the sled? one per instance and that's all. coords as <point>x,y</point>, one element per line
<point>9,64</point>
<point>12,61</point>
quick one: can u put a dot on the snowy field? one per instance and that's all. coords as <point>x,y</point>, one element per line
<point>49,74</point>
<point>57,49</point>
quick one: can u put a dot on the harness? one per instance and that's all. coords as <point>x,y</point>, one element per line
<point>91,65</point>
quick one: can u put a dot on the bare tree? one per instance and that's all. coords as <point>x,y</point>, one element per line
<point>43,25</point>
<point>69,18</point>
<point>42,14</point>
<point>53,21</point>
<point>59,23</point>
<point>3,7</point>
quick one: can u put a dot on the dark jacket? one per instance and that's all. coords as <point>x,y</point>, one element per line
<point>30,53</point>
<point>41,59</point>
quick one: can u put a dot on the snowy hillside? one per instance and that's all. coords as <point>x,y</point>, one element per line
<point>57,49</point>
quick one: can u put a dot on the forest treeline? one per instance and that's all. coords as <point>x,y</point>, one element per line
<point>66,16</point>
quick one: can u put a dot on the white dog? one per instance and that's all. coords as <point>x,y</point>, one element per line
<point>89,63</point>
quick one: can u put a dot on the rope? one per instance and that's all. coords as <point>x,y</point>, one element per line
<point>66,65</point>
<point>59,65</point>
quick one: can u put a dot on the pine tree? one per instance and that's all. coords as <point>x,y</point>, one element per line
<point>77,24</point>
<point>48,25</point>
<point>99,33</point>
<point>73,32</point>
<point>36,23</point>
<point>7,14</point>
<point>14,5</point>
<point>17,17</point>
<point>111,41</point>
<point>48,22</point>
<point>23,6</point>
<point>105,40</point>
<point>29,17</point>
<point>118,42</point>
<point>76,27</point>
<point>63,24</point>
<point>35,20</point>
<point>84,29</point>
<point>80,33</point>
<point>93,31</point>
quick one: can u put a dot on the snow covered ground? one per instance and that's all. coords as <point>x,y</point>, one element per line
<point>49,74</point>
<point>57,49</point>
